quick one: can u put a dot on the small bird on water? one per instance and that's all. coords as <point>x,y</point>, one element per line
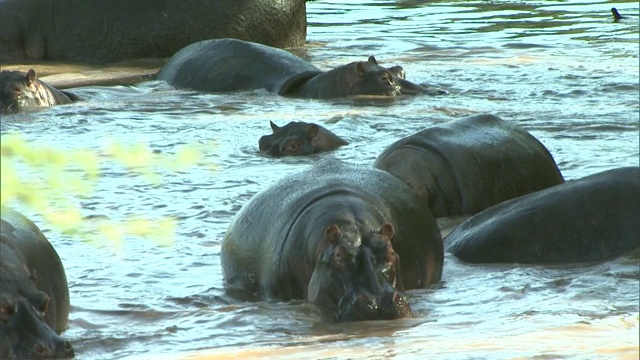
<point>616,14</point>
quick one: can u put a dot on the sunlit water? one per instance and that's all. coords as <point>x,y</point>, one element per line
<point>561,69</point>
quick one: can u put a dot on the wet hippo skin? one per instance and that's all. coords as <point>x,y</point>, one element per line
<point>298,138</point>
<point>223,65</point>
<point>464,166</point>
<point>108,31</point>
<point>589,219</point>
<point>34,295</point>
<point>20,91</point>
<point>347,239</point>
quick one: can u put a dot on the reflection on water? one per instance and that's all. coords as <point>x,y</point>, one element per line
<point>561,69</point>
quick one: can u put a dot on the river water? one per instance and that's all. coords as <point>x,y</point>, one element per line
<point>563,70</point>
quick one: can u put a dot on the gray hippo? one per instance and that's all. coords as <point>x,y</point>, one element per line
<point>466,165</point>
<point>108,31</point>
<point>231,65</point>
<point>347,239</point>
<point>594,218</point>
<point>298,138</point>
<point>19,91</point>
<point>34,296</point>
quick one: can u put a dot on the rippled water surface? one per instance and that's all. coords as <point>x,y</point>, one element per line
<point>561,69</point>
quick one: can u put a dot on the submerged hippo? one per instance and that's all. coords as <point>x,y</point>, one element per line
<point>347,239</point>
<point>299,138</point>
<point>467,165</point>
<point>19,91</point>
<point>230,65</point>
<point>34,296</point>
<point>590,219</point>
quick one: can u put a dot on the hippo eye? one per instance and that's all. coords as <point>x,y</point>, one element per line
<point>292,147</point>
<point>390,254</point>
<point>386,78</point>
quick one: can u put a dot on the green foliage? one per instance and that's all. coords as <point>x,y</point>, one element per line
<point>47,181</point>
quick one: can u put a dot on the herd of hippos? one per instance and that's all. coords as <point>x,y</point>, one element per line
<point>349,239</point>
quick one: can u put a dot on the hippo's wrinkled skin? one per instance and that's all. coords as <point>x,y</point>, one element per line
<point>594,218</point>
<point>464,166</point>
<point>19,91</point>
<point>299,138</point>
<point>231,65</point>
<point>107,31</point>
<point>34,296</point>
<point>348,239</point>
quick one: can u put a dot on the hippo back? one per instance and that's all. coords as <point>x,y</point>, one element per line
<point>42,260</point>
<point>467,165</point>
<point>230,65</point>
<point>264,230</point>
<point>590,219</point>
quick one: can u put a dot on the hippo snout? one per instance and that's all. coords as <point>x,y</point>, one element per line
<point>63,350</point>
<point>366,306</point>
<point>25,335</point>
<point>55,350</point>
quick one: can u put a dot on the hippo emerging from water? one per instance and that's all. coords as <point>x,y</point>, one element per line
<point>34,296</point>
<point>348,239</point>
<point>19,91</point>
<point>231,65</point>
<point>298,138</point>
<point>590,219</point>
<point>464,166</point>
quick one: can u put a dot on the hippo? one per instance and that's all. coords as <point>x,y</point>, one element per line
<point>19,91</point>
<point>221,65</point>
<point>108,31</point>
<point>34,295</point>
<point>299,138</point>
<point>348,239</point>
<point>466,165</point>
<point>594,218</point>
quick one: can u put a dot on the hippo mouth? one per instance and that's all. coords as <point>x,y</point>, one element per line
<point>365,306</point>
<point>393,90</point>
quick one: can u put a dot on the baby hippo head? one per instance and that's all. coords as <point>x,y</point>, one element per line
<point>298,138</point>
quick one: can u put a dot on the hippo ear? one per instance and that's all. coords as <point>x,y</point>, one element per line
<point>360,69</point>
<point>387,231</point>
<point>312,132</point>
<point>332,233</point>
<point>274,127</point>
<point>372,60</point>
<point>31,76</point>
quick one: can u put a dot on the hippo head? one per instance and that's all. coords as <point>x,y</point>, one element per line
<point>356,276</point>
<point>369,78</point>
<point>298,138</point>
<point>293,139</point>
<point>17,91</point>
<point>24,332</point>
